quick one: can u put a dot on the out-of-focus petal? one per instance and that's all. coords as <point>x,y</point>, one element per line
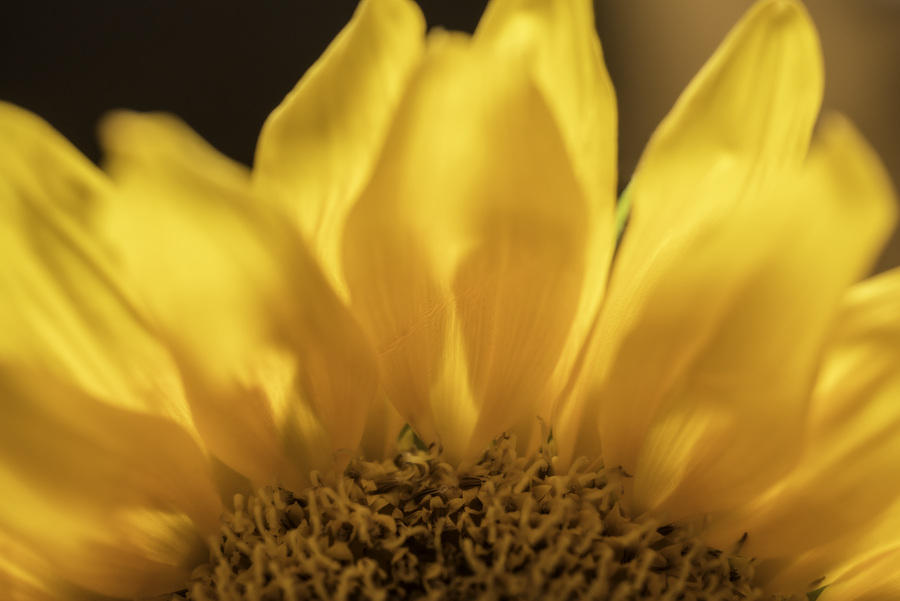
<point>278,375</point>
<point>867,570</point>
<point>874,579</point>
<point>21,572</point>
<point>691,375</point>
<point>93,423</point>
<point>43,164</point>
<point>729,139</point>
<point>758,367</point>
<point>115,501</point>
<point>465,254</point>
<point>853,436</point>
<point>829,563</point>
<point>808,521</point>
<point>62,306</point>
<point>317,149</point>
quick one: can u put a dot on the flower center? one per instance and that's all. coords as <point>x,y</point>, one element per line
<point>508,528</point>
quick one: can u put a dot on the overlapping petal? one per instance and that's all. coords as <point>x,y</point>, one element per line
<point>116,501</point>
<point>317,149</point>
<point>733,263</point>
<point>465,254</point>
<point>871,572</point>
<point>278,375</point>
<point>465,353</point>
<point>62,307</point>
<point>450,204</point>
<point>874,579</point>
<point>94,432</point>
<point>23,573</point>
<point>852,445</point>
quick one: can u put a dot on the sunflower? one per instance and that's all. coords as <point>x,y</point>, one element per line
<point>418,347</point>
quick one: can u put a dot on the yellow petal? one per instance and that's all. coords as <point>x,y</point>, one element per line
<point>465,254</point>
<point>115,501</point>
<point>847,476</point>
<point>62,306</point>
<point>558,42</point>
<point>863,566</point>
<point>876,579</point>
<point>837,560</point>
<point>317,149</point>
<point>728,273</point>
<point>21,572</point>
<point>279,376</point>
<point>39,162</point>
<point>93,421</point>
<point>757,368</point>
<point>861,362</point>
<point>742,122</point>
<point>26,576</point>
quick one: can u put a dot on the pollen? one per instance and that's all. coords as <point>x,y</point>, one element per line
<point>507,528</point>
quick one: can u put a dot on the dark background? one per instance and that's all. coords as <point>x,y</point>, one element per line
<point>223,65</point>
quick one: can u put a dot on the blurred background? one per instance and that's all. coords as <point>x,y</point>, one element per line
<point>222,65</point>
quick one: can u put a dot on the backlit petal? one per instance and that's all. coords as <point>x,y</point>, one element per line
<point>317,149</point>
<point>278,375</point>
<point>465,254</point>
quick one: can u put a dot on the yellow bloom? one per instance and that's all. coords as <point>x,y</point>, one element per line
<point>427,236</point>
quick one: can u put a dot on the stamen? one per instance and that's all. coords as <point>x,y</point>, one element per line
<point>508,528</point>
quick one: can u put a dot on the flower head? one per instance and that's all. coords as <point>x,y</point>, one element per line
<point>428,236</point>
